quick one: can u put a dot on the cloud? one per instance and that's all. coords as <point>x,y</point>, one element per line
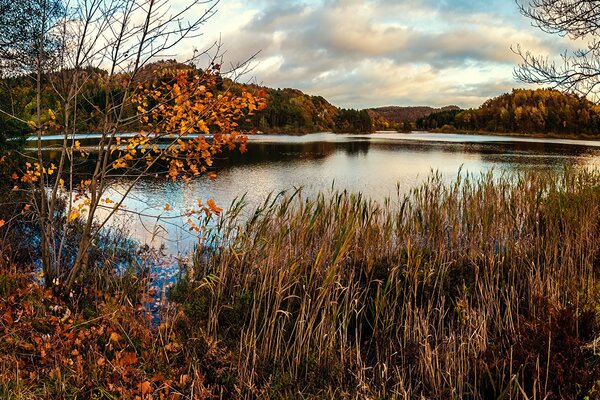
<point>360,53</point>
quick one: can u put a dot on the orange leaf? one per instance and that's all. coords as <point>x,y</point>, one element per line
<point>115,337</point>
<point>145,387</point>
<point>2,223</point>
<point>183,379</point>
<point>213,206</point>
<point>129,358</point>
<point>8,317</point>
<point>158,377</point>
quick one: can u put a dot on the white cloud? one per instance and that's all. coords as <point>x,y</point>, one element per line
<point>362,53</point>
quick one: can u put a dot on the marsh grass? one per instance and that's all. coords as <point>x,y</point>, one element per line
<point>485,287</point>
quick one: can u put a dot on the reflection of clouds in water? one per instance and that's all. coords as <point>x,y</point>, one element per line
<point>373,165</point>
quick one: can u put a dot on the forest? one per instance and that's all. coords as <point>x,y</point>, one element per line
<point>525,111</point>
<point>287,110</point>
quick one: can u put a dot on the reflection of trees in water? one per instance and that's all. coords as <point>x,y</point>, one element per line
<point>274,152</point>
<point>522,154</point>
<point>510,154</point>
<point>526,154</point>
<point>355,148</point>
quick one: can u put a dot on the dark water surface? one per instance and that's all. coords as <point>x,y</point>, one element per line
<point>377,165</point>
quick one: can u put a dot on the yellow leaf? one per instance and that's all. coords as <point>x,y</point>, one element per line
<point>168,207</point>
<point>73,215</point>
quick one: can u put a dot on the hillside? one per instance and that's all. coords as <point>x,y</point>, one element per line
<point>397,114</point>
<point>290,110</point>
<point>540,111</point>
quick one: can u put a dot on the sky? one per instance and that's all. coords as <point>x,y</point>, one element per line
<point>370,53</point>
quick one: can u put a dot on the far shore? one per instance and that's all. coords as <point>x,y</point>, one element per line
<point>537,135</point>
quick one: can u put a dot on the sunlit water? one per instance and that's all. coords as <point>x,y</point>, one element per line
<point>378,165</point>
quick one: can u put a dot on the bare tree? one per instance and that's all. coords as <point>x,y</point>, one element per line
<point>577,71</point>
<point>122,37</point>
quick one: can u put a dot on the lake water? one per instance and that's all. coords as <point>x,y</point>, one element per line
<point>376,164</point>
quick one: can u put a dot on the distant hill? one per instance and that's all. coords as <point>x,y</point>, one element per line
<point>397,114</point>
<point>288,110</point>
<point>292,111</point>
<point>525,111</point>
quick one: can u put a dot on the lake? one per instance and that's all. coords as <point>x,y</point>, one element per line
<point>378,165</point>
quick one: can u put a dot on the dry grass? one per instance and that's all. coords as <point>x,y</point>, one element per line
<point>483,288</point>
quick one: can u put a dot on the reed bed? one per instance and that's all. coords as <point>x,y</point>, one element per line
<point>485,287</point>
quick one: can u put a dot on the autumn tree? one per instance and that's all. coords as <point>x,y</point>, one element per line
<point>577,71</point>
<point>183,117</point>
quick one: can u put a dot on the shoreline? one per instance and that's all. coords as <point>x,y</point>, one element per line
<point>93,135</point>
<point>513,134</point>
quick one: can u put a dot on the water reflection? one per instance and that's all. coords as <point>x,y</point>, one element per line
<point>373,164</point>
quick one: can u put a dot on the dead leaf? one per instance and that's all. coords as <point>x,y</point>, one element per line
<point>115,337</point>
<point>129,358</point>
<point>145,387</point>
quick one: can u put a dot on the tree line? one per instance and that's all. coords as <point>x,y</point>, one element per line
<point>523,111</point>
<point>287,110</point>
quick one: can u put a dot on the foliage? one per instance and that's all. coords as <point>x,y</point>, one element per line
<point>438,119</point>
<point>481,288</point>
<point>399,117</point>
<point>28,35</point>
<point>524,111</point>
<point>290,110</point>
<point>104,350</point>
<point>183,116</point>
<point>189,107</point>
<point>353,121</point>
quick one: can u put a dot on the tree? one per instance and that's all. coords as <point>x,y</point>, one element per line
<point>172,107</point>
<point>577,71</point>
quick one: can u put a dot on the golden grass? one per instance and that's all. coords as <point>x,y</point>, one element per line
<point>486,287</point>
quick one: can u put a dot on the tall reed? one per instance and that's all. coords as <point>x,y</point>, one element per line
<point>485,287</point>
